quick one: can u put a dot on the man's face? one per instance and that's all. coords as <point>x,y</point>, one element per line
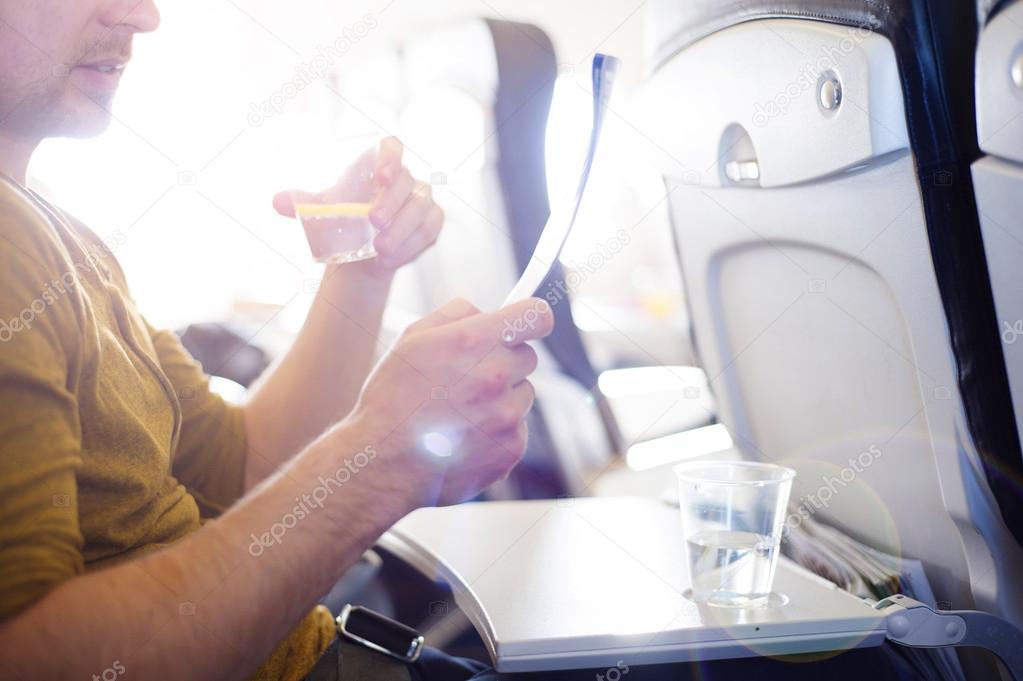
<point>61,61</point>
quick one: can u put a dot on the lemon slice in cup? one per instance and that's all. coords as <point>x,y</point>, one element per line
<point>321,210</point>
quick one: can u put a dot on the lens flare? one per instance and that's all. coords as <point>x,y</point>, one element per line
<point>438,445</point>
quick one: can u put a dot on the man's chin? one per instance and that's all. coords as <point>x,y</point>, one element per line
<point>87,119</point>
<point>82,129</point>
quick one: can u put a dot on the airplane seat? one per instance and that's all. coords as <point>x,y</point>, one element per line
<point>998,181</point>
<point>817,158</point>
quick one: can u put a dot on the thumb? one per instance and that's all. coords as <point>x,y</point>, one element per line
<point>284,202</point>
<point>448,313</point>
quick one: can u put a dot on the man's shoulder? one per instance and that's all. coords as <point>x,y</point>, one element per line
<point>29,241</point>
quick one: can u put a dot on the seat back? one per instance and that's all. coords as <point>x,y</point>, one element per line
<point>807,210</point>
<point>998,184</point>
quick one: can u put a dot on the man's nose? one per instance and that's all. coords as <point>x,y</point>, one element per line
<point>140,15</point>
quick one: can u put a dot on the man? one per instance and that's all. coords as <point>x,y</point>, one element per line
<point>131,497</point>
<point>148,529</point>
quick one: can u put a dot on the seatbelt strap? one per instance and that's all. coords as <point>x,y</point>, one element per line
<point>348,661</point>
<point>359,663</point>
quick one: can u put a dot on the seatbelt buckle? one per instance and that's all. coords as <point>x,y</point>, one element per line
<point>381,634</point>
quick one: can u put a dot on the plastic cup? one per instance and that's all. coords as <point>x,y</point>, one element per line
<point>338,232</point>
<point>732,517</point>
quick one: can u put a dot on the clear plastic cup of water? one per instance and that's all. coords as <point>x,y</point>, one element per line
<point>732,517</point>
<point>337,232</point>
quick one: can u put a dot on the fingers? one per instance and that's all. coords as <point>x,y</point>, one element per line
<point>402,208</point>
<point>508,414</point>
<point>514,444</point>
<point>411,233</point>
<point>388,162</point>
<point>461,336</point>
<point>521,400</point>
<point>394,184</point>
<point>452,311</point>
<point>406,221</point>
<point>524,363</point>
<point>392,198</point>
<point>507,429</point>
<point>527,320</point>
<point>530,319</point>
<point>498,372</point>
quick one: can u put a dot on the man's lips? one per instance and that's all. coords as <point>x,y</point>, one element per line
<point>103,74</point>
<point>106,65</point>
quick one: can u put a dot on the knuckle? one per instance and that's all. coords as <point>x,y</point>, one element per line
<point>466,305</point>
<point>458,307</point>
<point>411,342</point>
<point>404,338</point>
<point>490,385</point>
<point>497,381</point>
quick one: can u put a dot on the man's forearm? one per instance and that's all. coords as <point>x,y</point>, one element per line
<point>215,605</point>
<point>317,382</point>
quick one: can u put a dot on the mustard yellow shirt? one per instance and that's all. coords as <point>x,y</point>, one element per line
<point>111,443</point>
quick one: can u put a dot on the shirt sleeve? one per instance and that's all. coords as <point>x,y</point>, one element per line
<point>210,457</point>
<point>40,435</point>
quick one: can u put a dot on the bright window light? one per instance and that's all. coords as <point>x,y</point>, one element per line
<point>651,379</point>
<point>446,127</point>
<point>689,444</point>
